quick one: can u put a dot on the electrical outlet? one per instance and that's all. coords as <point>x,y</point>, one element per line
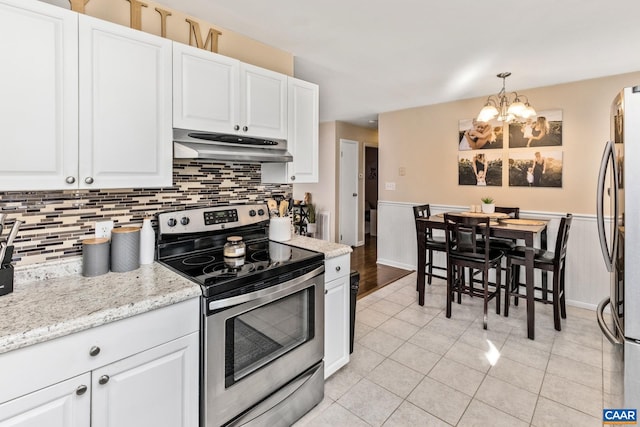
<point>103,228</point>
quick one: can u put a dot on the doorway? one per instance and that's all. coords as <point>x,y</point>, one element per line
<point>348,208</point>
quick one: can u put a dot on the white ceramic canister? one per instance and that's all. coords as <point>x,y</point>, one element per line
<point>280,229</point>
<point>125,249</point>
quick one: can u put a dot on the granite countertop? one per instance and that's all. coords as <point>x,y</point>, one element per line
<point>54,300</point>
<point>330,250</point>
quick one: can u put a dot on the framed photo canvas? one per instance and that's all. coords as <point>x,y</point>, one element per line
<point>475,135</point>
<point>480,168</point>
<point>545,130</point>
<point>535,169</point>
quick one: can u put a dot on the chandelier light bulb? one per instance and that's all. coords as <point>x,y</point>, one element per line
<point>510,109</point>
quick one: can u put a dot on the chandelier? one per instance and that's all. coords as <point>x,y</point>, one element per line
<point>503,108</point>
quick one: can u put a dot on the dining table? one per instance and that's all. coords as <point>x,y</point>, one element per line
<point>521,228</point>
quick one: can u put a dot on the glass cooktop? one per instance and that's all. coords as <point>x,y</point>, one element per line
<point>264,261</point>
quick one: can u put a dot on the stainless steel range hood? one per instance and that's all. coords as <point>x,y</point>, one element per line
<point>228,147</point>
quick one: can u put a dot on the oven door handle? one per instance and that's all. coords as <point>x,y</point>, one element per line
<point>272,291</point>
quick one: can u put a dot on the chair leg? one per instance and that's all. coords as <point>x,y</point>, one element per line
<point>563,307</point>
<point>555,294</point>
<point>450,279</point>
<point>485,283</point>
<point>507,287</point>
<point>430,268</point>
<point>498,287</point>
<point>516,284</point>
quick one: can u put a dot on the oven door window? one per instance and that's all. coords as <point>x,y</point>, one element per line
<point>256,337</point>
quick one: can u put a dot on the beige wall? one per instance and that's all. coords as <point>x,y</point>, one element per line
<point>230,44</point>
<point>326,192</point>
<point>424,141</point>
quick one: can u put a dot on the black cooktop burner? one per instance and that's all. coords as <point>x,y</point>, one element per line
<point>264,260</point>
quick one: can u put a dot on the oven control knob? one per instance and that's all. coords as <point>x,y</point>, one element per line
<point>252,212</point>
<point>184,220</point>
<point>260,212</point>
<point>172,222</point>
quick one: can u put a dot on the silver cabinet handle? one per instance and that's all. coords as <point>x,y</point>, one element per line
<point>70,180</point>
<point>81,390</point>
<point>94,351</point>
<point>355,194</point>
<point>326,291</point>
<point>88,180</point>
<point>293,177</point>
<point>236,127</point>
<point>244,128</point>
<point>103,379</point>
<point>338,268</point>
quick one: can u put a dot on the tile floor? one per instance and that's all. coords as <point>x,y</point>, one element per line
<point>411,366</point>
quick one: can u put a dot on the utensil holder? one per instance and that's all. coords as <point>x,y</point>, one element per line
<point>8,255</point>
<point>280,229</point>
<point>6,278</point>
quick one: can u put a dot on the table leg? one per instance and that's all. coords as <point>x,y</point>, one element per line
<point>531,313</point>
<point>422,260</point>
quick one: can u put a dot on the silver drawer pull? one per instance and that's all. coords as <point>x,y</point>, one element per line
<point>103,379</point>
<point>81,390</point>
<point>338,268</point>
<point>94,351</point>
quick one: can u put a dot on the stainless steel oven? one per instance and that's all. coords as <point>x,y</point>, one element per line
<point>262,330</point>
<point>255,344</point>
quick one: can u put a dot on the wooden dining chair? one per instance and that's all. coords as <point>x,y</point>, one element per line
<point>467,244</point>
<point>431,243</point>
<point>546,261</point>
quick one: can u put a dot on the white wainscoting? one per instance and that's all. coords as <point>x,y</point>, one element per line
<point>586,280</point>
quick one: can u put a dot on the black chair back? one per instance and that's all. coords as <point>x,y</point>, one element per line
<point>423,211</point>
<point>562,239</point>
<point>512,212</point>
<point>467,237</point>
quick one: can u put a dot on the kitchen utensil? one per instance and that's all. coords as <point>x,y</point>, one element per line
<point>3,216</point>
<point>14,231</point>
<point>284,208</point>
<point>272,205</point>
<point>3,251</point>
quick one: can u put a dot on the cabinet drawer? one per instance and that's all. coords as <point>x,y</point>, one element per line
<point>46,363</point>
<point>337,267</point>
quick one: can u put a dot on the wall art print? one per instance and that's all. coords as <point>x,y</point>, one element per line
<point>480,168</point>
<point>475,135</point>
<point>535,169</point>
<point>544,130</point>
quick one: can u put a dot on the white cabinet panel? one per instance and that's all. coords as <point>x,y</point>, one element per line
<point>66,404</point>
<point>264,102</point>
<point>38,95</point>
<point>205,90</point>
<point>155,388</point>
<point>215,93</point>
<point>337,319</point>
<point>125,107</point>
<point>303,116</point>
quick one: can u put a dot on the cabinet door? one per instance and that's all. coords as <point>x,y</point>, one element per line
<point>155,388</point>
<point>303,130</point>
<point>336,325</point>
<point>264,102</point>
<point>39,96</point>
<point>302,141</point>
<point>205,90</point>
<point>125,107</point>
<point>66,404</point>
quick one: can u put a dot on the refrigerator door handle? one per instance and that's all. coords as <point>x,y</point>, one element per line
<point>603,326</point>
<point>608,252</point>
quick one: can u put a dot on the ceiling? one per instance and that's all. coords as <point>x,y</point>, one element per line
<point>372,56</point>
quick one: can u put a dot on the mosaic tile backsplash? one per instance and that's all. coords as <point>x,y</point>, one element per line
<point>56,222</point>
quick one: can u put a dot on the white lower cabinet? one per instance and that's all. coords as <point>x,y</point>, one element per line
<point>138,372</point>
<point>66,404</point>
<point>336,314</point>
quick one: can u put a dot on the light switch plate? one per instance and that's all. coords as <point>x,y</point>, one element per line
<point>390,186</point>
<point>103,229</point>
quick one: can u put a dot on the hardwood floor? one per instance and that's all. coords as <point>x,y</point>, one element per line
<point>372,275</point>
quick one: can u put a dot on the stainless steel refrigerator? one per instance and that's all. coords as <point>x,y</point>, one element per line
<point>619,229</point>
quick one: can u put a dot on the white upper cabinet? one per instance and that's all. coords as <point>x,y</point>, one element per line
<point>205,90</point>
<point>84,103</point>
<point>215,93</point>
<point>263,109</point>
<point>125,107</point>
<point>38,95</point>
<point>303,112</point>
